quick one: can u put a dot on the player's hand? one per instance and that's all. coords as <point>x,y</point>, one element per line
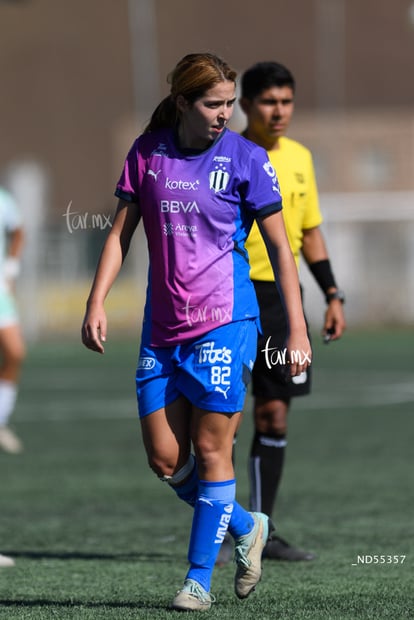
<point>335,323</point>
<point>94,328</point>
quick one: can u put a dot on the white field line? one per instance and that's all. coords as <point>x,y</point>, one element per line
<point>363,391</point>
<point>335,391</point>
<point>377,398</point>
<point>67,410</point>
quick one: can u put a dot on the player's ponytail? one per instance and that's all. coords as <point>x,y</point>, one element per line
<point>164,115</point>
<point>192,77</point>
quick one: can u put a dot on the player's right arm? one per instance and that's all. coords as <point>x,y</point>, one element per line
<point>115,249</point>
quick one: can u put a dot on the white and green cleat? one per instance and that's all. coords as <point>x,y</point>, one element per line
<point>192,597</point>
<point>248,555</point>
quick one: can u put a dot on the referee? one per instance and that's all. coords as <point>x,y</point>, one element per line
<point>267,99</point>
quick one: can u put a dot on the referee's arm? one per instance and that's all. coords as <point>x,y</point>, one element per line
<point>316,255</point>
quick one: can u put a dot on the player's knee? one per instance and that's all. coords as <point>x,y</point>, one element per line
<point>271,418</point>
<point>14,357</point>
<point>210,455</point>
<point>161,466</point>
<point>205,451</point>
<point>168,468</point>
<point>182,474</point>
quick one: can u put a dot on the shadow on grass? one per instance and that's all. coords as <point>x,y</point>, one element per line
<point>76,555</point>
<point>73,604</point>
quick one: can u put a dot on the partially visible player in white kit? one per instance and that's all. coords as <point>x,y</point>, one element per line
<point>12,348</point>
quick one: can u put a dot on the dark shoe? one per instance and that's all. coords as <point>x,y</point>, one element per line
<point>225,555</point>
<point>278,549</point>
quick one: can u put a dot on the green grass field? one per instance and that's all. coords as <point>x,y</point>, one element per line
<point>96,535</point>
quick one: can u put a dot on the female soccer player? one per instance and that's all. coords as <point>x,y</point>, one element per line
<point>198,187</point>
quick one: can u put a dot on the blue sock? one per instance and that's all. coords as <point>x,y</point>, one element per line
<point>241,522</point>
<point>212,513</point>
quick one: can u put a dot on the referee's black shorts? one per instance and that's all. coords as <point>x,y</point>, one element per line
<point>274,382</point>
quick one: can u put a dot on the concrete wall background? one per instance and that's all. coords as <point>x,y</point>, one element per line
<point>80,79</point>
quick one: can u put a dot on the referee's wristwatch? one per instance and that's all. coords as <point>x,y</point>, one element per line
<point>338,294</point>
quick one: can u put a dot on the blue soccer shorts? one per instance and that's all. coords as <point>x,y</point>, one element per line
<point>212,372</point>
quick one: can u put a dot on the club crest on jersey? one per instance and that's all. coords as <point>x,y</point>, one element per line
<point>219,178</point>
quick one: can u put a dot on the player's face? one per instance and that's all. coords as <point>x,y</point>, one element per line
<point>270,113</point>
<point>202,121</point>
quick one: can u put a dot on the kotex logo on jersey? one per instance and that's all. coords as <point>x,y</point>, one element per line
<point>185,186</point>
<point>175,184</point>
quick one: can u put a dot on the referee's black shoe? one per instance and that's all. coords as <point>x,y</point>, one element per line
<point>278,549</point>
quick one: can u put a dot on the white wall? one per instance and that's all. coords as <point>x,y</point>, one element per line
<point>370,237</point>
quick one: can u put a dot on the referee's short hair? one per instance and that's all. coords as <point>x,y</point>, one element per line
<point>264,75</point>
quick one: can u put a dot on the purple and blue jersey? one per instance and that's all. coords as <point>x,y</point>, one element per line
<point>197,210</point>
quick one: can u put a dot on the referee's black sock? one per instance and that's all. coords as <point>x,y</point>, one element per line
<point>267,456</point>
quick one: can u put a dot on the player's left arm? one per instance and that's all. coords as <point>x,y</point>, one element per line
<point>315,253</point>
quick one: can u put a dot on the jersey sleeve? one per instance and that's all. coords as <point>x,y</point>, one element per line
<point>127,186</point>
<point>262,193</point>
